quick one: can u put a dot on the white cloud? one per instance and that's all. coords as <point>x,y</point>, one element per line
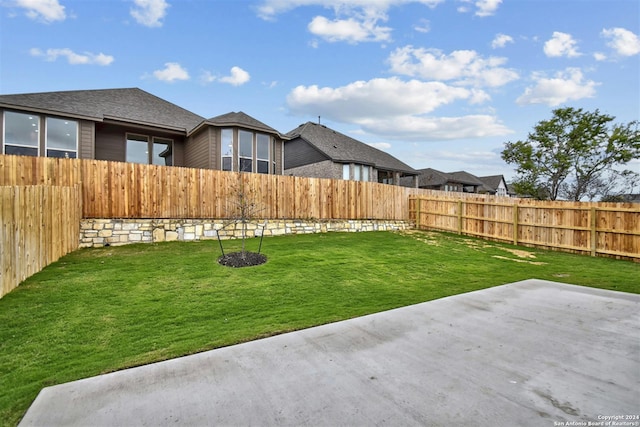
<point>561,44</point>
<point>42,10</point>
<point>478,96</point>
<point>501,40</point>
<point>349,30</point>
<point>466,156</point>
<point>355,21</point>
<point>237,77</point>
<point>268,9</point>
<point>377,98</point>
<point>171,72</point>
<point>86,58</point>
<point>149,12</point>
<point>396,109</point>
<point>465,67</point>
<point>421,128</point>
<point>487,7</point>
<point>622,41</point>
<point>206,77</point>
<point>483,7</point>
<point>423,27</point>
<point>599,56</point>
<point>384,146</point>
<point>567,85</point>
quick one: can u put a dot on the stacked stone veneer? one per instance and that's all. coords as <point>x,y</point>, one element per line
<point>114,232</point>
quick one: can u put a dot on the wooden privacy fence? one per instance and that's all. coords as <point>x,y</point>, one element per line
<point>611,229</point>
<point>44,199</point>
<point>129,190</point>
<point>38,225</point>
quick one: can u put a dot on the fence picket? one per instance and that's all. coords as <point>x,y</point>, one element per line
<point>38,225</point>
<point>102,189</point>
<point>595,228</point>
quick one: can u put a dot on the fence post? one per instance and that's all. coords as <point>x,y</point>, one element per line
<point>418,200</point>
<point>594,235</point>
<point>515,223</point>
<point>459,216</point>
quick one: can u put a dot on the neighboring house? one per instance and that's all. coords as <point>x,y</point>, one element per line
<point>456,181</point>
<point>131,125</point>
<point>622,198</point>
<point>314,150</point>
<point>494,185</point>
<point>241,143</point>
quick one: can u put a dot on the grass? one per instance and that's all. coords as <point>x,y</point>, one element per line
<point>104,309</point>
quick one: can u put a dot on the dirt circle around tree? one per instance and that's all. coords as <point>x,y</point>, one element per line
<point>242,259</point>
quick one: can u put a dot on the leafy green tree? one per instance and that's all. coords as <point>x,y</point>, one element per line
<point>572,154</point>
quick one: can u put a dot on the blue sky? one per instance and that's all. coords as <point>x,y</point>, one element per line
<point>436,83</point>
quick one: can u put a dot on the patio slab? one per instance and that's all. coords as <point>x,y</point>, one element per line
<point>532,353</point>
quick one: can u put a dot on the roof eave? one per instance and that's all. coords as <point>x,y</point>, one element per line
<point>49,112</point>
<point>143,124</point>
<point>404,171</point>
<point>239,125</point>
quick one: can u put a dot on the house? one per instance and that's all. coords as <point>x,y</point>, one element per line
<point>131,125</point>
<point>622,198</point>
<point>314,150</point>
<point>455,181</point>
<point>494,185</point>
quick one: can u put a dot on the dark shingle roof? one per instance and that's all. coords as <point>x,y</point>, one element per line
<point>465,178</point>
<point>130,105</point>
<point>491,182</point>
<point>242,120</point>
<point>431,177</point>
<point>344,149</point>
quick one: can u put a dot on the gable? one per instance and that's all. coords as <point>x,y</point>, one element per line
<point>241,120</point>
<point>494,182</point>
<point>298,152</point>
<point>343,149</point>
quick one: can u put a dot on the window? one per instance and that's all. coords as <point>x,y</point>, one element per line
<point>248,151</point>
<point>356,172</point>
<point>162,153</point>
<point>245,152</point>
<point>21,134</point>
<point>385,177</point>
<point>158,151</point>
<point>137,149</point>
<point>262,152</point>
<point>227,149</point>
<point>62,138</point>
<point>273,155</point>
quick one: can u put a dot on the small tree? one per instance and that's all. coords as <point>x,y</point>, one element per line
<point>568,155</point>
<point>242,208</point>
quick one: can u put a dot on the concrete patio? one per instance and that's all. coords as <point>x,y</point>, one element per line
<point>532,353</point>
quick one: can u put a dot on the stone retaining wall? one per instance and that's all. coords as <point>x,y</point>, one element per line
<point>115,232</point>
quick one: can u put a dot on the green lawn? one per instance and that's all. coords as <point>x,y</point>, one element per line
<point>100,310</point>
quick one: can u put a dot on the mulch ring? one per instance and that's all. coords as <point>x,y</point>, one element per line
<point>242,259</point>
